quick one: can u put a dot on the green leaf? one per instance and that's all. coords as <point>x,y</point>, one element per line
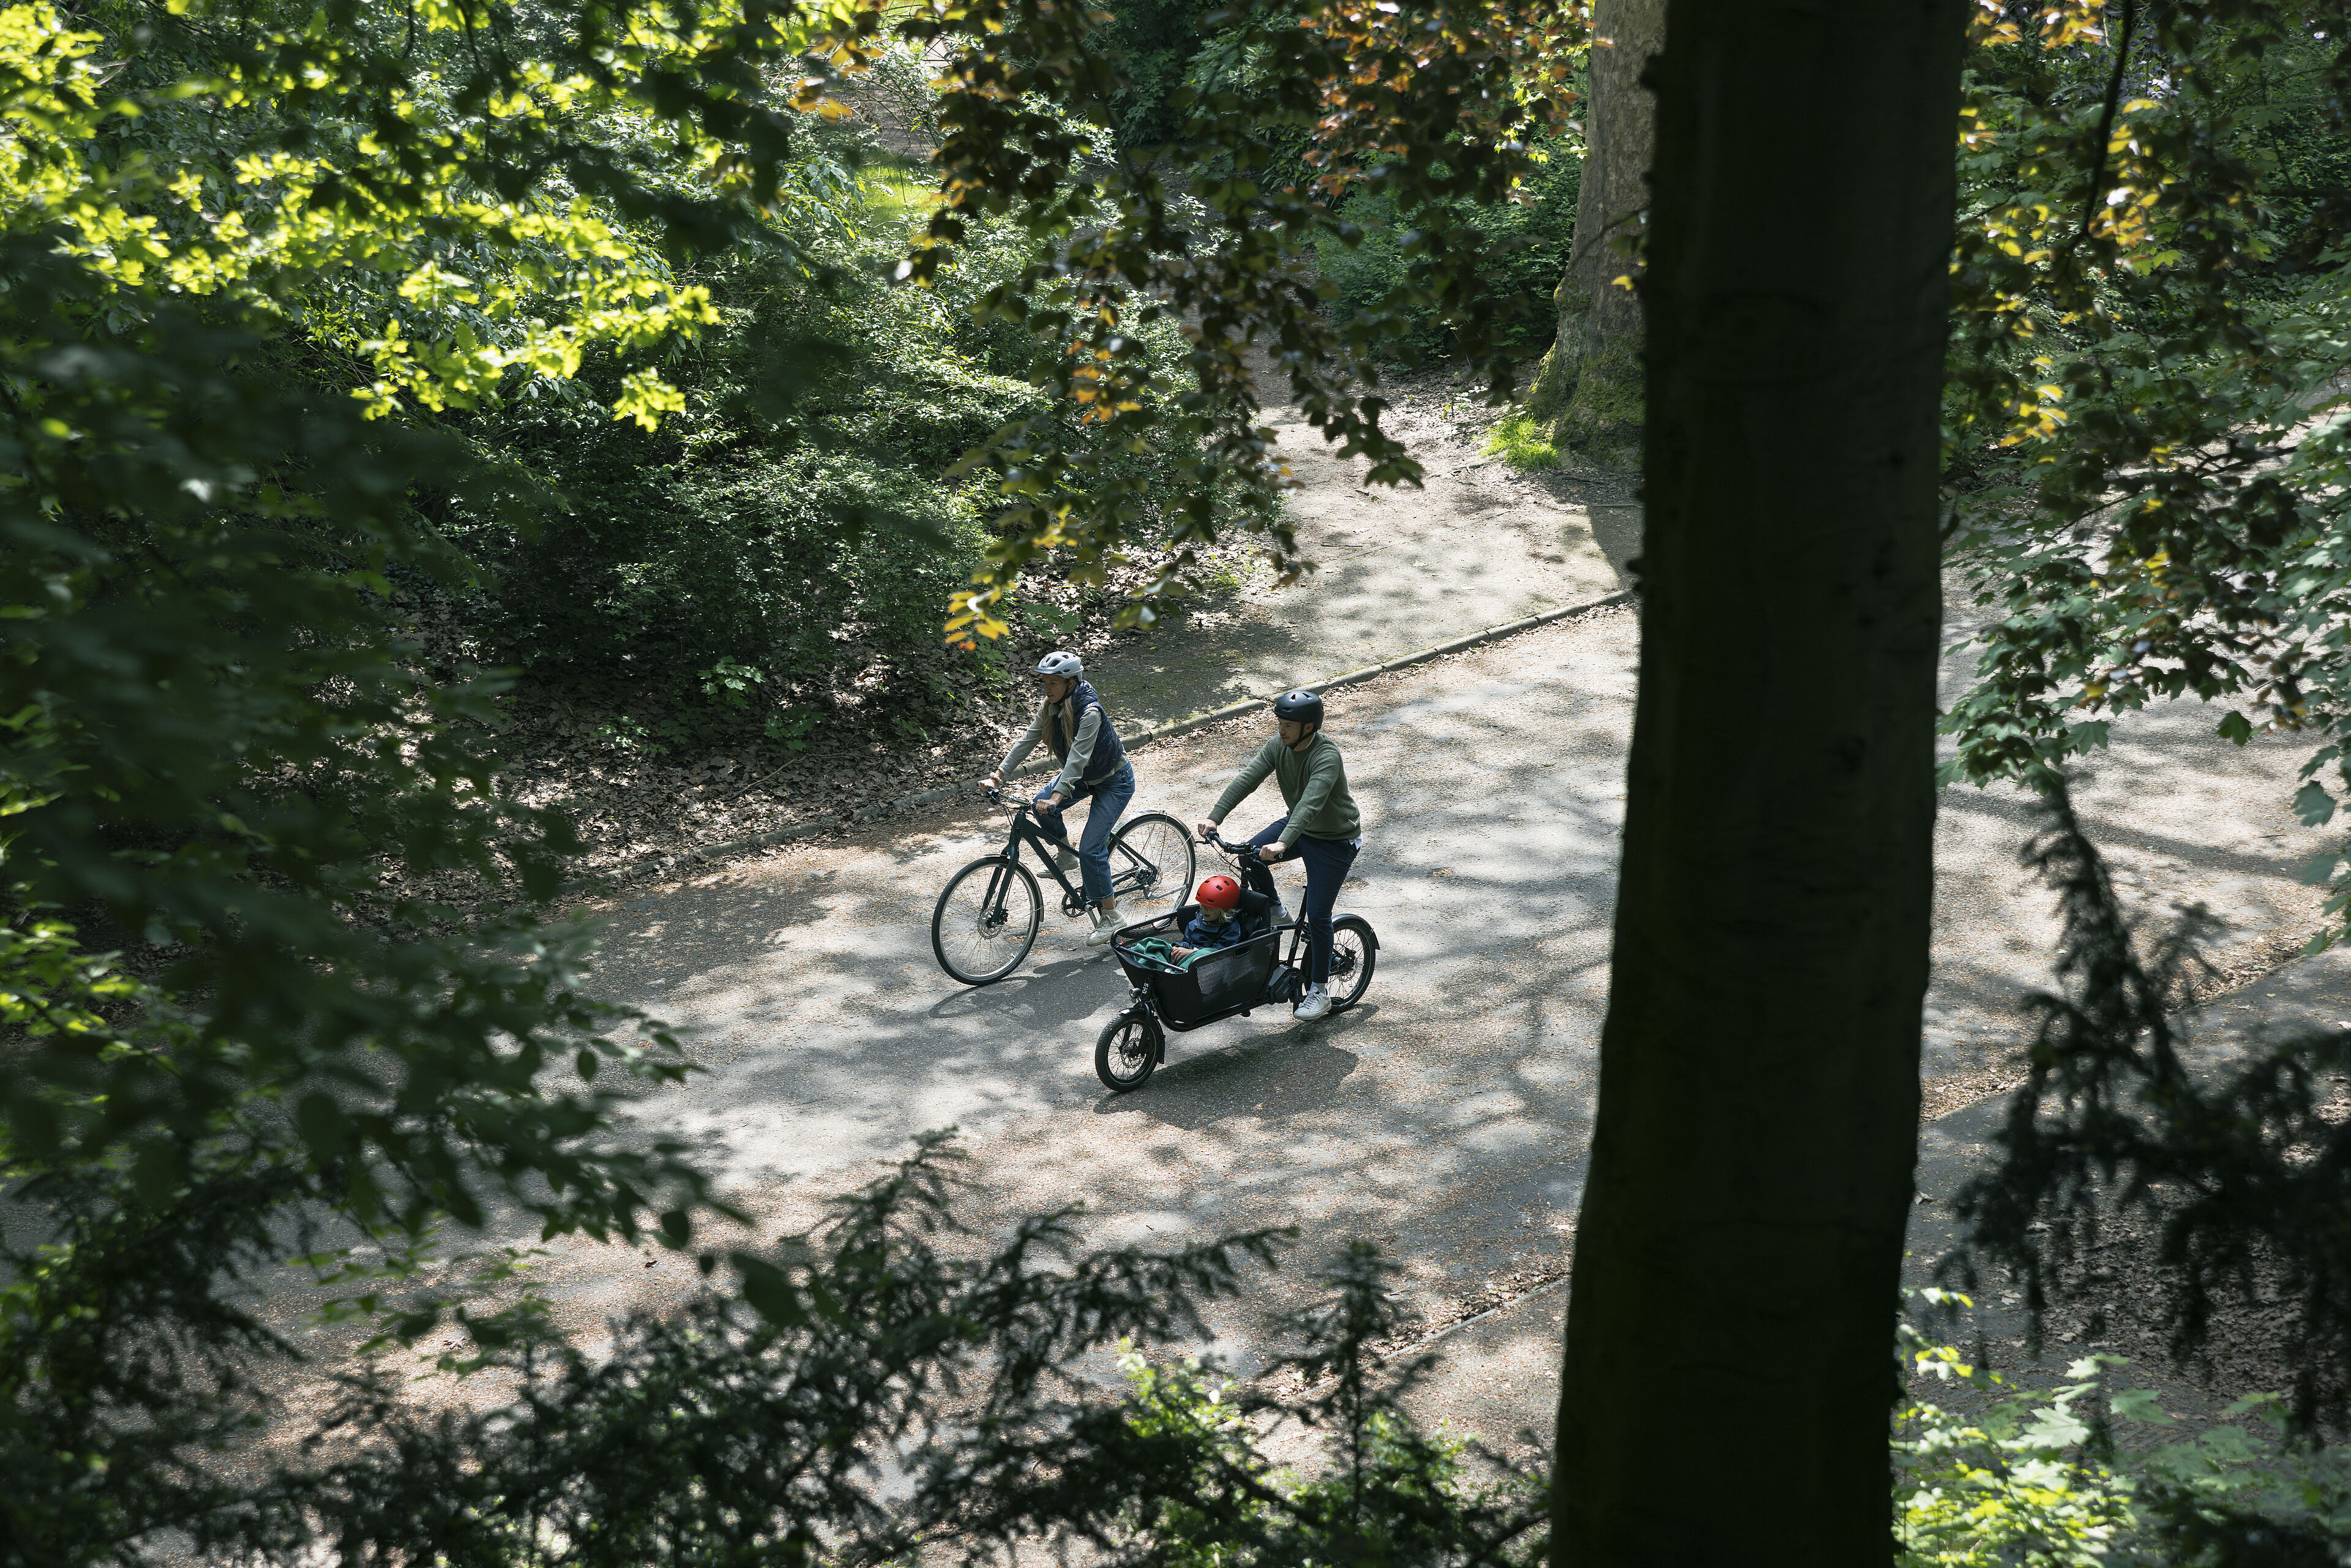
<point>2236,728</point>
<point>770,1290</point>
<point>2312,804</point>
<point>2141,1405</point>
<point>324,1127</point>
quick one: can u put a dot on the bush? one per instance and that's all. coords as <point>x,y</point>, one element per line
<point>2036,1478</point>
<point>877,1387</point>
<point>785,545</point>
<point>788,540</point>
<point>1528,248</point>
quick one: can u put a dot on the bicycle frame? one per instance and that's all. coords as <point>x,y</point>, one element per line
<point>1025,831</point>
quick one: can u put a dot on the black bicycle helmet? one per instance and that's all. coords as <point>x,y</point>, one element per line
<point>1304,707</point>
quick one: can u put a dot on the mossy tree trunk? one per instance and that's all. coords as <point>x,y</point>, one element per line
<point>1730,1361</point>
<point>1590,384</point>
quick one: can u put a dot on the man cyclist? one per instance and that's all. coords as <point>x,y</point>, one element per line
<point>1321,829</point>
<point>1072,724</point>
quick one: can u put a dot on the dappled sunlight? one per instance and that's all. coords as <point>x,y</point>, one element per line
<point>1447,1117</point>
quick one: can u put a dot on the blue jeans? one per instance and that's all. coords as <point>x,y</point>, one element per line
<point>1110,798</point>
<point>1327,861</point>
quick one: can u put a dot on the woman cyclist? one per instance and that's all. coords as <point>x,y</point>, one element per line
<point>1073,725</point>
<point>1321,829</point>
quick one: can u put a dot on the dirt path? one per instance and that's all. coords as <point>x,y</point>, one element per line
<point>1478,545</point>
<point>1447,1118</point>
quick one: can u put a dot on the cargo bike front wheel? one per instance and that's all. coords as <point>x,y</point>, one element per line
<point>1129,1048</point>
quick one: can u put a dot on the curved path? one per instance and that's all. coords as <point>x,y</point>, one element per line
<point>1447,1118</point>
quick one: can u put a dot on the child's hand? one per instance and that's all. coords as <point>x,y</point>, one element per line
<point>1182,951</point>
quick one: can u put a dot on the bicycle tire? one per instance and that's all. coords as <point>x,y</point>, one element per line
<point>1157,838</point>
<point>1356,947</point>
<point>1007,923</point>
<point>1122,1041</point>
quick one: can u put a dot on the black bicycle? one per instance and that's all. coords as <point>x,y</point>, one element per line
<point>1250,974</point>
<point>987,920</point>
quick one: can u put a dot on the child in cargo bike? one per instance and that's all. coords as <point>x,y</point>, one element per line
<point>1212,922</point>
<point>1216,917</point>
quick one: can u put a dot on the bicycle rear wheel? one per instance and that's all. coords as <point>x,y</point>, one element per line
<point>1354,951</point>
<point>1151,865</point>
<point>987,920</point>
<point>1126,1051</point>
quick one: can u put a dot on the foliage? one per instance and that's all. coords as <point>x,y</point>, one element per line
<point>1429,108</point>
<point>882,1346</point>
<point>1155,44</point>
<point>217,761</point>
<point>785,530</point>
<point>763,1426</point>
<point>2007,1485</point>
<point>785,546</point>
<point>236,1035</point>
<point>1526,245</point>
<point>1521,442</point>
<point>2242,1167</point>
<point>1386,1491</point>
<point>2151,324</point>
<point>2037,1479</point>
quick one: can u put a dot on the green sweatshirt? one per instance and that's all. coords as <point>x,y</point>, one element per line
<point>1313,785</point>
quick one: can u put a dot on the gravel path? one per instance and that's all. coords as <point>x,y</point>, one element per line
<point>1478,544</point>
<point>1447,1117</point>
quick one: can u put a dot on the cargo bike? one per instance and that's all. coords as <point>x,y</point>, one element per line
<point>1257,971</point>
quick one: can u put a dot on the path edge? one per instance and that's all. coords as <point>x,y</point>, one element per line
<point>705,853</point>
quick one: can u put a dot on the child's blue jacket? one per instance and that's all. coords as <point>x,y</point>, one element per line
<point>1199,933</point>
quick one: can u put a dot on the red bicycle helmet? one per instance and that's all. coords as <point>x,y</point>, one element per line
<point>1220,893</point>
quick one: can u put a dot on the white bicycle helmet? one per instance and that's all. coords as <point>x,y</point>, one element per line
<point>1068,666</point>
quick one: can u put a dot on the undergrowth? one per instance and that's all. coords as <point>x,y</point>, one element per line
<point>1522,443</point>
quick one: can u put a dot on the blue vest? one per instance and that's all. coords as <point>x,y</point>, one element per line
<point>1109,754</point>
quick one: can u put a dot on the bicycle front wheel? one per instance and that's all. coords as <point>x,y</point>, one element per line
<point>1354,951</point>
<point>987,920</point>
<point>1151,866</point>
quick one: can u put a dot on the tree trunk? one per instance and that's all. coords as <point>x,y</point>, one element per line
<point>1730,1344</point>
<point>1594,363</point>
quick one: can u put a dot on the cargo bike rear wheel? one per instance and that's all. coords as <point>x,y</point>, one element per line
<point>1354,953</point>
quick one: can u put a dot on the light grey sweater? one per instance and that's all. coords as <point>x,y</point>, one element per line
<point>1081,745</point>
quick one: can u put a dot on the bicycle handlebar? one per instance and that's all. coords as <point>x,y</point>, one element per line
<point>996,798</point>
<point>1238,851</point>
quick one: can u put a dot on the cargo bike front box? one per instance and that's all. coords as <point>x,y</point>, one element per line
<point>1254,972</point>
<point>1216,985</point>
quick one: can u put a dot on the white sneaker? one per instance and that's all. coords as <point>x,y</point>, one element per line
<point>1068,860</point>
<point>1313,1005</point>
<point>1105,927</point>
